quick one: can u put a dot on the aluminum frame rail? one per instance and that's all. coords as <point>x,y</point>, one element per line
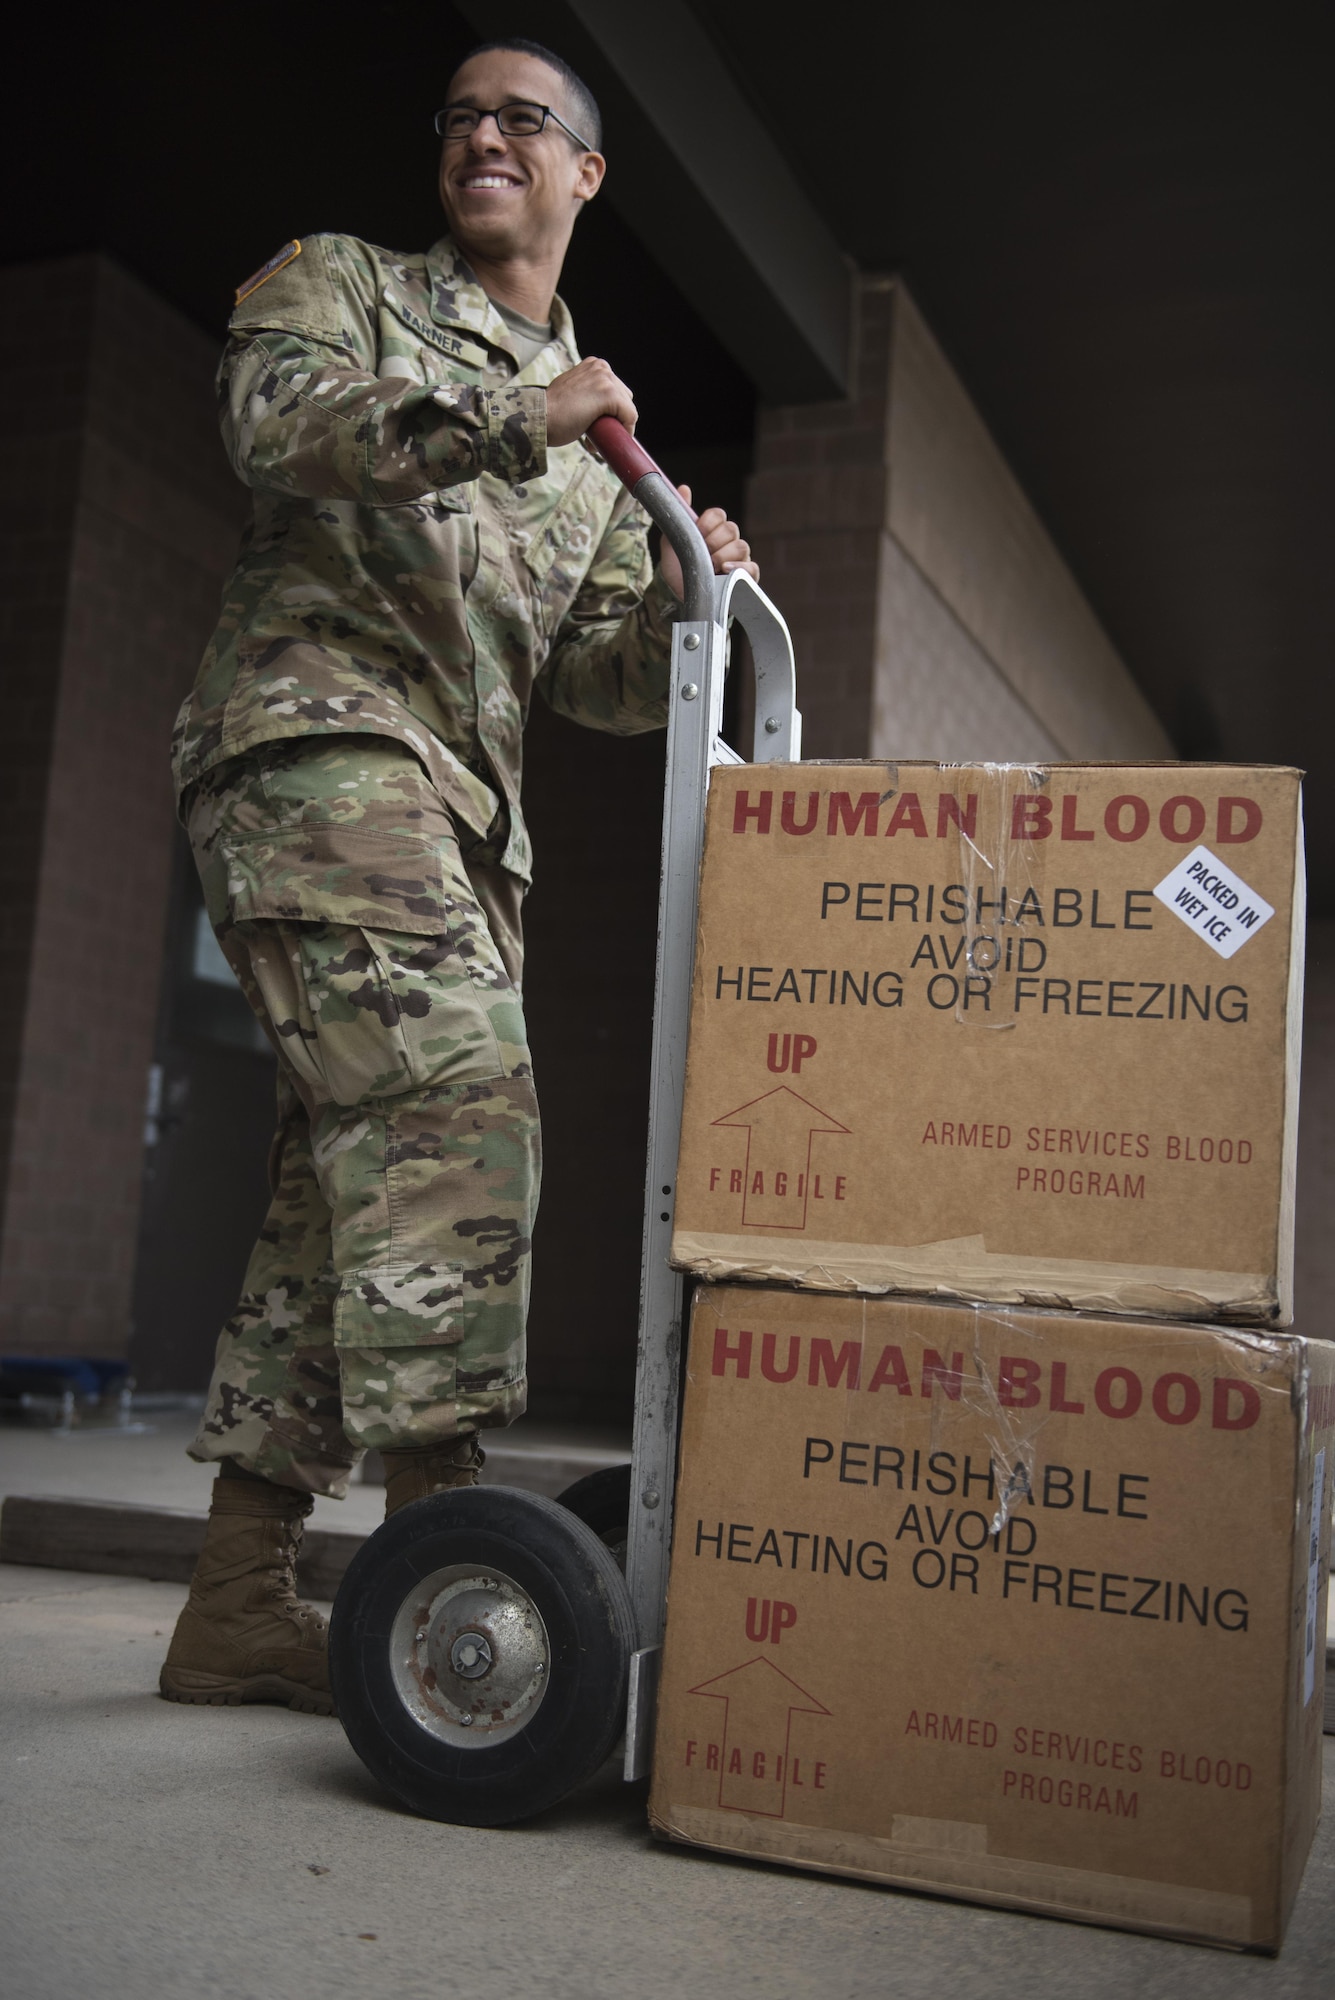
<point>700,647</point>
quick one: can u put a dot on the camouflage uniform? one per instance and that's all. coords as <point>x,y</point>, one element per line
<point>349,768</point>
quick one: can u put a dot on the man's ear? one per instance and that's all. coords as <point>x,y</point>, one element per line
<point>592,167</point>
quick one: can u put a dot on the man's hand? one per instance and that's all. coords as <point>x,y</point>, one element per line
<point>723,540</point>
<point>582,395</point>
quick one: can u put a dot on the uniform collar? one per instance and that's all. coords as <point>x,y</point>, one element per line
<point>458,300</point>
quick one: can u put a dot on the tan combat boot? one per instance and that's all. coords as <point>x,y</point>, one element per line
<point>243,1635</point>
<point>411,1473</point>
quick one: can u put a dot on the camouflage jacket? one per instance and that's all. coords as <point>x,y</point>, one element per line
<point>418,560</point>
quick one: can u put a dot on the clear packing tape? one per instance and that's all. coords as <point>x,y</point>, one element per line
<point>1013,1428</point>
<point>991,859</point>
<point>1158,1291</point>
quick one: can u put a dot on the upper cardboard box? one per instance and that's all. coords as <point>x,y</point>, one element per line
<point>1000,1033</point>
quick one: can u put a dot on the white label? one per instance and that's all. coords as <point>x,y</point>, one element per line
<point>1214,902</point>
<point>1310,1633</point>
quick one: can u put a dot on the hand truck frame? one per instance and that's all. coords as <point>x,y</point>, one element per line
<point>484,1647</point>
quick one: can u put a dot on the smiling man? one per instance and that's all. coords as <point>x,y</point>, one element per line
<point>431,542</point>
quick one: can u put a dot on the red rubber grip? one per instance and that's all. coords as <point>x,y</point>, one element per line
<point>629,460</point>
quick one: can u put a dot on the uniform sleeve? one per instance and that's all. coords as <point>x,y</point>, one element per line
<point>610,663</point>
<point>305,411</point>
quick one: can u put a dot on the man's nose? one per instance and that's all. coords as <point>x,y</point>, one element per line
<point>487,136</point>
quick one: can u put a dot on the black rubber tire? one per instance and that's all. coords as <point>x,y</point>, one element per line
<point>581,1595</point>
<point>602,1502</point>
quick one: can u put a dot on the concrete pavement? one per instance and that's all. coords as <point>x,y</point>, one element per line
<point>148,1465</point>
<point>149,1850</point>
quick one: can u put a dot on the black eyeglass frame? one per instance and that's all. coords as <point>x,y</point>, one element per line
<point>528,103</point>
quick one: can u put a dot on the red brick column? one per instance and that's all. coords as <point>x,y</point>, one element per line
<point>816,510</point>
<point>126,518</point>
<point>932,613</point>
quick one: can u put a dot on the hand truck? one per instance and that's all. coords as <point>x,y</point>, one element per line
<point>485,1649</point>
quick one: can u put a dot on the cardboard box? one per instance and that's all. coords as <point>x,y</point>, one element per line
<point>1007,1605</point>
<point>999,1033</point>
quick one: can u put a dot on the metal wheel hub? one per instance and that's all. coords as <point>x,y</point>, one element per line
<point>470,1656</point>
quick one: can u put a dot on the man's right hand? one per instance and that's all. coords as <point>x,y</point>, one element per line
<point>582,395</point>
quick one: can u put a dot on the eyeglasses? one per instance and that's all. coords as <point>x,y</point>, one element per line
<point>514,121</point>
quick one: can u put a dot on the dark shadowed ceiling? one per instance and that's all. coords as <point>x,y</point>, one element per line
<point>1117,219</point>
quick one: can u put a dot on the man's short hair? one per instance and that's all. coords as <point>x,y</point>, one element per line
<point>582,104</point>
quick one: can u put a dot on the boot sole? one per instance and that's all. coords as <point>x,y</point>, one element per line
<point>198,1690</point>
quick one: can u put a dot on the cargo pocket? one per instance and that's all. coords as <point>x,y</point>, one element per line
<point>396,1328</point>
<point>364,960</point>
<point>426,997</point>
<point>337,875</point>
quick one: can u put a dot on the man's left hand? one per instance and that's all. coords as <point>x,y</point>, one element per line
<point>724,541</point>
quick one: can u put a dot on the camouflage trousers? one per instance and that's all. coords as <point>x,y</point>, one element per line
<point>385,1301</point>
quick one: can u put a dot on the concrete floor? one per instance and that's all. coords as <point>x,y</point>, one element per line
<point>153,1850</point>
<point>148,1850</point>
<point>147,1464</point>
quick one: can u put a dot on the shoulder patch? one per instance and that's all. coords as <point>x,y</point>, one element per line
<point>306,291</point>
<point>277,262</point>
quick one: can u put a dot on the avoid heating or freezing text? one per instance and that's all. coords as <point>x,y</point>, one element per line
<point>962,1552</point>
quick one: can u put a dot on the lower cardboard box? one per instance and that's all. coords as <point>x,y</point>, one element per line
<point>1008,1605</point>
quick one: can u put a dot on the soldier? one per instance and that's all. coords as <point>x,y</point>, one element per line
<point>430,543</point>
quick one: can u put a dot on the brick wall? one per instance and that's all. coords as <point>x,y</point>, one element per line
<point>816,509</point>
<point>123,530</point>
<point>933,617</point>
<point>931,614</point>
<point>134,533</point>
<point>39,457</point>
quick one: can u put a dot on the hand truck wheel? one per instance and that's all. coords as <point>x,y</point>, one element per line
<point>602,1502</point>
<point>479,1651</point>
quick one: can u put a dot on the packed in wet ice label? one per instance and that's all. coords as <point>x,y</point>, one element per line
<point>1214,902</point>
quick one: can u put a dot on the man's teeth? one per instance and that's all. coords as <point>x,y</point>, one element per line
<point>490,181</point>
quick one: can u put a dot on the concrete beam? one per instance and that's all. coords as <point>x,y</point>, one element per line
<point>698,178</point>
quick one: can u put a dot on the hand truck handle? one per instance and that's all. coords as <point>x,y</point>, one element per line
<point>665,507</point>
<point>695,747</point>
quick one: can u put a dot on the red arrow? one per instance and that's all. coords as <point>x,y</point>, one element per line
<point>777,1181</point>
<point>756,1764</point>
